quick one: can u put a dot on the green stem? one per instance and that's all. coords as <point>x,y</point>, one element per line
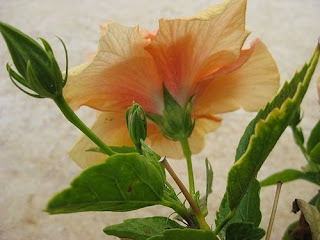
<point>180,210</point>
<point>187,153</point>
<point>73,118</point>
<point>224,222</point>
<point>200,218</point>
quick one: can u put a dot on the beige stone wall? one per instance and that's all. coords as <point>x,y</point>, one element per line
<point>35,138</point>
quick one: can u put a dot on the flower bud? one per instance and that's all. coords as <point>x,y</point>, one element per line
<point>37,67</point>
<point>137,124</point>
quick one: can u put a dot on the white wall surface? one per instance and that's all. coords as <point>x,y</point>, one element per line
<point>35,138</point>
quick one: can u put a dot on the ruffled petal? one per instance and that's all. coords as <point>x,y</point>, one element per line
<point>121,72</point>
<point>165,147</point>
<point>247,83</point>
<point>190,49</point>
<point>212,12</point>
<point>111,128</point>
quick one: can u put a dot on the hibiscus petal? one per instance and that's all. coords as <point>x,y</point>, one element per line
<point>187,50</point>
<point>249,86</point>
<point>111,128</point>
<point>121,72</point>
<point>213,12</point>
<point>165,147</point>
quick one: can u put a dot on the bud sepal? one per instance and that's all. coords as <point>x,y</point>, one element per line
<point>37,68</point>
<point>176,122</point>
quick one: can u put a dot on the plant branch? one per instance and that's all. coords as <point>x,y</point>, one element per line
<point>274,209</point>
<point>202,222</point>
<point>73,118</point>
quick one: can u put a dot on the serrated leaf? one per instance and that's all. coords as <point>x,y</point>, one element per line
<point>266,132</point>
<point>290,175</point>
<point>186,233</point>
<point>124,182</point>
<point>141,228</point>
<point>247,211</point>
<point>314,138</point>
<point>244,231</point>
<point>248,159</point>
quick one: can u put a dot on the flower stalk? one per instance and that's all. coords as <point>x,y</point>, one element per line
<point>187,153</point>
<point>73,118</point>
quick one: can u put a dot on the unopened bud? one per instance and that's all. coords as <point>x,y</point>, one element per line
<point>37,67</point>
<point>137,124</point>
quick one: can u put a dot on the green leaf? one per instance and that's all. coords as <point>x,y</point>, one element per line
<point>312,216</point>
<point>314,138</point>
<point>291,175</point>
<point>186,233</point>
<point>124,182</point>
<point>154,159</point>
<point>253,149</point>
<point>247,211</point>
<point>244,231</point>
<point>315,154</point>
<point>204,199</point>
<point>141,228</point>
<point>264,131</point>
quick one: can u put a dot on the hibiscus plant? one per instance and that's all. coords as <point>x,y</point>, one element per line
<point>158,94</point>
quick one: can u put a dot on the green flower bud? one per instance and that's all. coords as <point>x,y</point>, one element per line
<point>137,124</point>
<point>37,67</point>
<point>177,122</point>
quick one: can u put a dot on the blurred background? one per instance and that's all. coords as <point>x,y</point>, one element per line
<point>35,137</point>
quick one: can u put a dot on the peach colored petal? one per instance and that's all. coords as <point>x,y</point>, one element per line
<point>188,50</point>
<point>111,128</point>
<point>104,27</point>
<point>165,147</point>
<point>121,72</point>
<point>249,86</point>
<point>148,35</point>
<point>213,12</point>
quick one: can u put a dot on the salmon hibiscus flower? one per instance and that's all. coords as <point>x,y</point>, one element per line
<point>198,57</point>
